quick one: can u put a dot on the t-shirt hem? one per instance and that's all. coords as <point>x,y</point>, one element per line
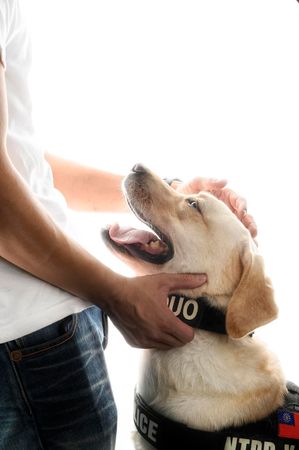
<point>36,322</point>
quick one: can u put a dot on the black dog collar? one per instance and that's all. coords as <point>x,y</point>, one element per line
<point>279,431</point>
<point>198,313</point>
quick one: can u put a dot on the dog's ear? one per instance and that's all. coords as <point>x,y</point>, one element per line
<point>252,304</point>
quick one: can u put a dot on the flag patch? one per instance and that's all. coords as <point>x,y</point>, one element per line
<point>288,424</point>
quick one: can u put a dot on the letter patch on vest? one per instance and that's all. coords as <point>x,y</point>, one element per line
<point>198,313</point>
<point>279,431</point>
<point>146,426</point>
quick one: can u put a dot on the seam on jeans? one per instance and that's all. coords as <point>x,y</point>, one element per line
<point>105,329</point>
<point>18,379</point>
<point>24,396</point>
<point>45,349</point>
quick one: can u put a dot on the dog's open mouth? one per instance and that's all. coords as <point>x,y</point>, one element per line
<point>151,246</point>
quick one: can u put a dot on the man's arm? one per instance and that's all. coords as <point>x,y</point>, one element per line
<point>89,189</point>
<point>31,240</point>
<point>3,107</point>
<point>86,188</point>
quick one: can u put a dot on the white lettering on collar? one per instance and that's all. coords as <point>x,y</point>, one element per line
<point>234,443</point>
<point>147,426</point>
<point>189,309</point>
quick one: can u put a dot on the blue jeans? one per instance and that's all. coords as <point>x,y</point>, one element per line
<point>54,388</point>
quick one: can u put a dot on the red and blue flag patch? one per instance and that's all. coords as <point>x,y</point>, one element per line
<point>288,424</point>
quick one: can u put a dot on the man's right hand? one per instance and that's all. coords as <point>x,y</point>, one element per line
<point>141,313</point>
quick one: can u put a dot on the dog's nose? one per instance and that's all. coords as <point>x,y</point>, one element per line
<point>139,168</point>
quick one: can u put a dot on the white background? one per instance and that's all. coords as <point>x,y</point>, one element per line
<point>189,88</point>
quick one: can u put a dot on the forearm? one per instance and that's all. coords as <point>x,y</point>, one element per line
<point>86,188</point>
<point>3,109</point>
<point>31,240</point>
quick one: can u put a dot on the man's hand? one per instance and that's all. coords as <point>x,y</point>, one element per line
<point>141,314</point>
<point>235,202</point>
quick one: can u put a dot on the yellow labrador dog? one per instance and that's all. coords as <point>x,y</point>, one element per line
<point>218,380</point>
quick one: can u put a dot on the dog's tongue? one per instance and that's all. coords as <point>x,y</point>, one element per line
<point>129,235</point>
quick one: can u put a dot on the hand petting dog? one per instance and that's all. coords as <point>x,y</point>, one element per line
<point>234,201</point>
<point>142,315</point>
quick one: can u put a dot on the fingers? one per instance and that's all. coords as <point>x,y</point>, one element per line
<point>250,224</point>
<point>234,201</point>
<point>166,342</point>
<point>169,341</point>
<point>198,184</point>
<point>181,333</point>
<point>172,331</point>
<point>178,332</point>
<point>248,221</point>
<point>206,184</point>
<point>184,281</point>
<point>179,336</point>
<point>213,183</point>
<point>143,316</point>
<point>238,205</point>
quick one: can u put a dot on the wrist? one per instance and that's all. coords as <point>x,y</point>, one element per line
<point>108,289</point>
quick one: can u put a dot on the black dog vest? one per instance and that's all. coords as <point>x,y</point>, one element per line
<point>279,431</point>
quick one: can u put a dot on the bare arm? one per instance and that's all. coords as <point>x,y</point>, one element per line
<point>30,239</point>
<point>3,108</point>
<point>86,188</point>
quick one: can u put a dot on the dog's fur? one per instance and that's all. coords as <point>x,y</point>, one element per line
<point>215,381</point>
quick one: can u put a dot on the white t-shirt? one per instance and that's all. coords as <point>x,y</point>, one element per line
<point>27,303</point>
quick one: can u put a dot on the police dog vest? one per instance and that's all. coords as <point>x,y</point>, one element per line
<point>279,431</point>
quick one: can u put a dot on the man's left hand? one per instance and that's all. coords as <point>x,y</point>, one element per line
<point>234,201</point>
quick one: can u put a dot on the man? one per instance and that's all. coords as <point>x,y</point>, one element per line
<point>55,391</point>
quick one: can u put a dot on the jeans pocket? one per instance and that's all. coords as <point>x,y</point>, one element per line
<point>45,339</point>
<point>63,379</point>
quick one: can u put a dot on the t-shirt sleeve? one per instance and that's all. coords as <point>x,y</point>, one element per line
<point>4,15</point>
<point>3,30</point>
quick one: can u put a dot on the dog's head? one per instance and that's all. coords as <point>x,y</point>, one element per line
<point>195,234</point>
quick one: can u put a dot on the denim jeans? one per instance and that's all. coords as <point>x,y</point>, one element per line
<point>54,388</point>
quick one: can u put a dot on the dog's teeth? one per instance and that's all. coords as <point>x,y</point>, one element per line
<point>154,244</point>
<point>155,247</point>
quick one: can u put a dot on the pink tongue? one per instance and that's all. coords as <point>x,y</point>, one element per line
<point>128,235</point>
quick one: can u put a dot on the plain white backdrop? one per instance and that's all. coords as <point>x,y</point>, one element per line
<point>189,88</point>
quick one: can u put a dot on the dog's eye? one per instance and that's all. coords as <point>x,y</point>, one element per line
<point>193,204</point>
